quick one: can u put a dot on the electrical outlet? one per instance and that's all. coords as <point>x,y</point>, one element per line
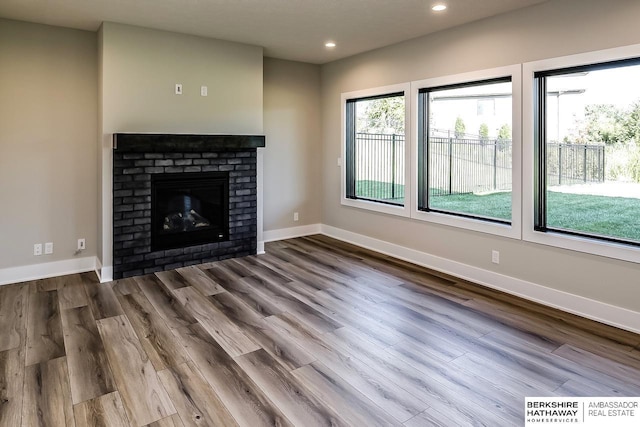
<point>82,244</point>
<point>203,91</point>
<point>295,216</point>
<point>48,248</point>
<point>37,249</point>
<point>495,257</point>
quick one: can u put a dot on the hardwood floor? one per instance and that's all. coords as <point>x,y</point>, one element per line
<point>315,332</point>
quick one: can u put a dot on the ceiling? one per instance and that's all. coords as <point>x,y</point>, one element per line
<point>287,29</point>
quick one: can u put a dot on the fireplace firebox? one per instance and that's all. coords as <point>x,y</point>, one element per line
<point>189,209</point>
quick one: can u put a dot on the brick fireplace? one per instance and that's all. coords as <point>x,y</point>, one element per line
<point>140,160</point>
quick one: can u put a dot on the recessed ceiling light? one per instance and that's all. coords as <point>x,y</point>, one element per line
<point>330,44</point>
<point>439,8</point>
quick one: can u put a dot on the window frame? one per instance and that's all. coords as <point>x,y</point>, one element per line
<point>532,163</point>
<point>377,206</point>
<point>512,230</point>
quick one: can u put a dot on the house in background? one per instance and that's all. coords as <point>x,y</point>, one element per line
<point>64,92</point>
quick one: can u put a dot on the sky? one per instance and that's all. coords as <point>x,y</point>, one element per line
<point>617,86</point>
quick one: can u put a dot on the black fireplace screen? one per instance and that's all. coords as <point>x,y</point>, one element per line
<point>189,209</point>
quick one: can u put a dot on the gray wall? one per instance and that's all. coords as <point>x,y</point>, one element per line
<point>551,29</point>
<point>48,113</point>
<point>292,171</point>
<point>139,70</point>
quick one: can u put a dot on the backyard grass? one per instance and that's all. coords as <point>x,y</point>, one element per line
<point>600,215</point>
<point>607,216</point>
<point>494,205</point>
<point>377,190</point>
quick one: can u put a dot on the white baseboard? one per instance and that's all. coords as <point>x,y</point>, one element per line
<point>105,274</point>
<point>575,304</point>
<point>48,269</point>
<point>290,233</point>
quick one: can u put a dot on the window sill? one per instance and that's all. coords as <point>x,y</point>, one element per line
<point>376,207</point>
<point>587,245</point>
<point>504,230</point>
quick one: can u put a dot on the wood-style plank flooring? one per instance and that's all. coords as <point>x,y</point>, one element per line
<point>314,333</point>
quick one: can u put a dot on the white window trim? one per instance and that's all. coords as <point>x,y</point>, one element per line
<point>366,204</point>
<point>561,240</point>
<point>514,230</point>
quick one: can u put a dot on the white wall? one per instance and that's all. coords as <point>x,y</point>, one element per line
<point>139,70</point>
<point>292,174</point>
<point>48,110</point>
<point>555,28</point>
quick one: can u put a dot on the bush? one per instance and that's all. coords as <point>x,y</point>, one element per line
<point>484,131</point>
<point>505,132</point>
<point>460,128</point>
<point>622,162</point>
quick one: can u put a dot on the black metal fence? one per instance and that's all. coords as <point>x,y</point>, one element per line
<point>575,163</point>
<point>464,165</point>
<point>379,161</point>
<point>459,166</point>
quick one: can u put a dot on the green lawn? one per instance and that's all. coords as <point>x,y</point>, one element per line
<point>495,205</point>
<point>377,190</point>
<point>608,216</point>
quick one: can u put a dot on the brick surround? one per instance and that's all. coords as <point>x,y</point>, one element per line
<point>133,166</point>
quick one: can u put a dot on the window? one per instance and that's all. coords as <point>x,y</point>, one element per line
<point>375,148</point>
<point>581,154</point>
<point>486,106</point>
<point>375,154</point>
<point>465,152</point>
<point>587,151</point>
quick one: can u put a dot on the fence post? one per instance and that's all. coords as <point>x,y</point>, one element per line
<point>393,166</point>
<point>599,162</point>
<point>559,163</point>
<point>604,151</point>
<point>584,164</point>
<point>495,165</point>
<point>450,165</point>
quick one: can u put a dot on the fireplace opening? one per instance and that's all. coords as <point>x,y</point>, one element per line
<point>189,209</point>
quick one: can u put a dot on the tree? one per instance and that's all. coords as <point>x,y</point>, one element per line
<point>384,115</point>
<point>504,133</point>
<point>632,123</point>
<point>605,123</point>
<point>459,128</point>
<point>619,129</point>
<point>483,131</point>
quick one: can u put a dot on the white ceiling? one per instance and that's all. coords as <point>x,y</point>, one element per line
<point>287,29</point>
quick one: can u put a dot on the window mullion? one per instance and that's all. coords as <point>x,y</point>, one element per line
<point>350,160</point>
<point>423,157</point>
<point>540,138</point>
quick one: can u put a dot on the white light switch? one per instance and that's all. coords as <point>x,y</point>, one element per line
<point>178,88</point>
<point>203,91</point>
<point>48,248</point>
